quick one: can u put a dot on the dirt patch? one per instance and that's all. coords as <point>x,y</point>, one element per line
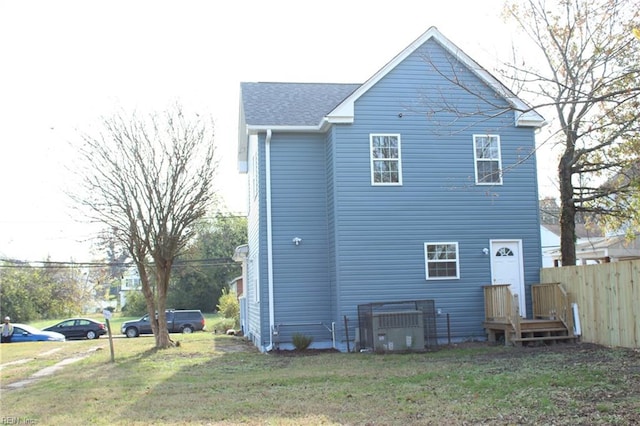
<point>580,352</point>
<point>233,344</point>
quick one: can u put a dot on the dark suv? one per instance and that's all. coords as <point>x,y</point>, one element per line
<point>177,322</point>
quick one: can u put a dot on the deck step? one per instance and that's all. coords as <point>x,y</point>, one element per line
<point>541,324</point>
<point>538,330</point>
<point>543,330</point>
<point>536,339</point>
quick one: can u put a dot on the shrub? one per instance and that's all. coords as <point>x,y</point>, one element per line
<point>136,305</point>
<point>301,342</point>
<point>228,306</point>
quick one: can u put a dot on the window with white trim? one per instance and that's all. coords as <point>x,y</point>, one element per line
<point>504,251</point>
<point>488,161</point>
<point>441,261</point>
<point>386,165</point>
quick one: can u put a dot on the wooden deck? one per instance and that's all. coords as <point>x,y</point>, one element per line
<point>552,318</point>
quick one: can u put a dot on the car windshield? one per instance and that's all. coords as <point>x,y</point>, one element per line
<point>23,327</point>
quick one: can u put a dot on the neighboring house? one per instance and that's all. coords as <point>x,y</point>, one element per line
<point>406,187</point>
<point>592,245</point>
<point>550,243</point>
<point>129,283</point>
<point>240,255</point>
<point>550,239</point>
<point>235,286</point>
<point>614,248</point>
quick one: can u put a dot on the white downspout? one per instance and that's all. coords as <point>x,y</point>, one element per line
<point>267,159</point>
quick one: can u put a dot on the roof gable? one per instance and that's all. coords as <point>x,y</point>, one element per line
<point>311,107</point>
<point>524,115</point>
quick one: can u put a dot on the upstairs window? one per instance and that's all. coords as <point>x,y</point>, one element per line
<point>441,261</point>
<point>386,166</point>
<point>488,162</point>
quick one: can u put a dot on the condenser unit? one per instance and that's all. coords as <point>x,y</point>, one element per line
<point>398,331</point>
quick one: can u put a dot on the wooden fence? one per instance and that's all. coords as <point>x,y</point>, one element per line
<point>608,299</point>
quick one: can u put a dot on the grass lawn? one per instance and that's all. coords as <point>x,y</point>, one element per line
<point>223,380</point>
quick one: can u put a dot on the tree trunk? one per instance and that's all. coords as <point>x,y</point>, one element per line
<point>148,295</point>
<point>567,210</point>
<point>163,341</point>
<point>163,273</point>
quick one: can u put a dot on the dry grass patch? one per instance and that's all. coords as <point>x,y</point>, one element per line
<point>223,380</point>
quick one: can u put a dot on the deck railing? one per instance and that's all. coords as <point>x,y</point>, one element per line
<point>500,305</point>
<point>551,301</point>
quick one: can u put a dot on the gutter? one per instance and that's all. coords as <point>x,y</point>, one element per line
<point>269,239</point>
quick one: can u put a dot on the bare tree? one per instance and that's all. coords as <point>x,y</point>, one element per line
<point>590,76</point>
<point>148,180</point>
<point>584,76</point>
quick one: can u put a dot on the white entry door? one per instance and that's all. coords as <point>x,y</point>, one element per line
<point>507,268</point>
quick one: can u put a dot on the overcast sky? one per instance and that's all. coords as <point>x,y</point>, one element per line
<point>65,64</point>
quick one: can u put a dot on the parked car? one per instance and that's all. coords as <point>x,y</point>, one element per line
<point>79,328</point>
<point>178,321</point>
<point>27,333</point>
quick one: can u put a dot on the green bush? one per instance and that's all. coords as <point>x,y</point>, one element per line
<point>228,306</point>
<point>136,305</point>
<point>301,342</point>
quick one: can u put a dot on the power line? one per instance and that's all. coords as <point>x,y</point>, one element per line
<point>13,263</point>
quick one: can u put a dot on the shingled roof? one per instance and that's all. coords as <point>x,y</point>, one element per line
<point>291,104</point>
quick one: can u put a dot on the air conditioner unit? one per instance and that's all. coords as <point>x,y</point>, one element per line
<point>398,331</point>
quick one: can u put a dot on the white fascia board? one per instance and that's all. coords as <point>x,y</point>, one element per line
<point>254,130</point>
<point>343,113</point>
<point>530,119</point>
<point>346,117</point>
<point>524,115</point>
<point>243,149</point>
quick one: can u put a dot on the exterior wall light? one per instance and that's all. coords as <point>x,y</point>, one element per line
<point>297,240</point>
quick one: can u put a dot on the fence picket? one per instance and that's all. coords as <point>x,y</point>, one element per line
<point>608,298</point>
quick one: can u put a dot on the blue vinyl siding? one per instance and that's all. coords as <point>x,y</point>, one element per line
<point>256,235</point>
<point>331,225</point>
<point>381,231</point>
<point>299,209</point>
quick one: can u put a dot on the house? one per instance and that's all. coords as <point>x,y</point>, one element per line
<point>240,255</point>
<point>611,248</point>
<point>592,245</point>
<point>550,239</point>
<point>235,286</point>
<point>418,184</point>
<point>130,282</point>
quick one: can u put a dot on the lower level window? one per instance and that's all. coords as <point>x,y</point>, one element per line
<point>441,260</point>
